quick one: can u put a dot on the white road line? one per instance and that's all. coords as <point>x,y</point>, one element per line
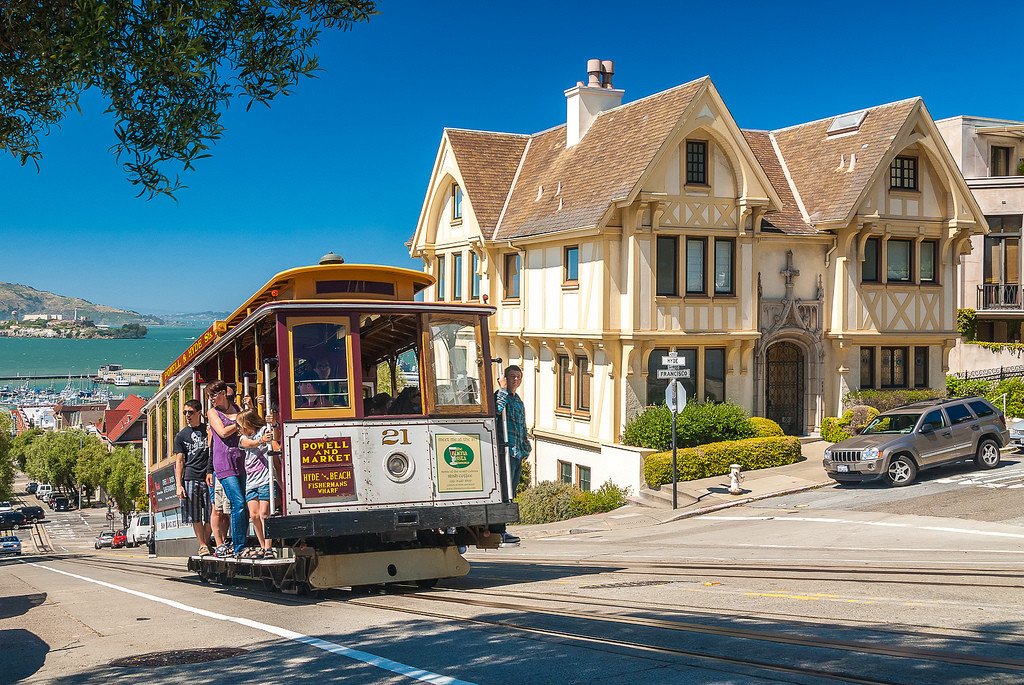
<point>354,654</point>
<point>884,524</point>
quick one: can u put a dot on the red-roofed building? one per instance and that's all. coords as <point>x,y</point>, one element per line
<point>121,427</point>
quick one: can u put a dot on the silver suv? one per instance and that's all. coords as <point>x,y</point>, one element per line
<point>901,442</point>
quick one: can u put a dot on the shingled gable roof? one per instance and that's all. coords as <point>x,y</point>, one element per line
<point>487,162</point>
<point>120,419</point>
<point>560,189</point>
<point>813,159</point>
<point>789,219</point>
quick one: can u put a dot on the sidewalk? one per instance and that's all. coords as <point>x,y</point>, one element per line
<point>697,497</point>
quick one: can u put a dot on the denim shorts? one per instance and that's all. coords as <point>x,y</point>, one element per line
<point>262,492</point>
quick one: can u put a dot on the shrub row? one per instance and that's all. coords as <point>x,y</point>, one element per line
<point>556,501</point>
<point>853,421</point>
<point>715,459</point>
<point>884,400</point>
<point>699,423</point>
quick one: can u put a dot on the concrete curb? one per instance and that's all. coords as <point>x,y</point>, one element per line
<point>745,500</point>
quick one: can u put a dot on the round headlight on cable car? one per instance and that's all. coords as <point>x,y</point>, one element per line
<point>398,466</point>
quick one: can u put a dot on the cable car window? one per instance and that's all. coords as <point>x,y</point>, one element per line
<point>456,360</point>
<point>389,345</point>
<point>320,365</point>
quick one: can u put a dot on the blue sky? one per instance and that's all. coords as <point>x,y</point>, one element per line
<point>343,163</point>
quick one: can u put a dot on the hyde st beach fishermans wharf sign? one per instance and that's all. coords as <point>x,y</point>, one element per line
<point>326,467</point>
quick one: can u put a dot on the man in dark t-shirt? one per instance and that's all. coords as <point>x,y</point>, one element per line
<point>191,465</point>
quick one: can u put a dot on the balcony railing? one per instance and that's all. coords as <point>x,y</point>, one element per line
<point>999,296</point>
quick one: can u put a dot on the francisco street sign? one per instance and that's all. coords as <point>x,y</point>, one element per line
<point>673,373</point>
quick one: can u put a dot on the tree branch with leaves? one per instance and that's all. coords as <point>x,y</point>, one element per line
<point>166,67</point>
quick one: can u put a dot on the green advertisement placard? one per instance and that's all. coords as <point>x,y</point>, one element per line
<point>459,463</point>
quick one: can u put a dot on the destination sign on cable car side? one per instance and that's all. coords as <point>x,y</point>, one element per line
<point>188,355</point>
<point>326,465</point>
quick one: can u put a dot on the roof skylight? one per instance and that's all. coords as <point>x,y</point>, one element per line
<point>847,122</point>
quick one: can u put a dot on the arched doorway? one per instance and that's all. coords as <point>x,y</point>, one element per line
<point>784,387</point>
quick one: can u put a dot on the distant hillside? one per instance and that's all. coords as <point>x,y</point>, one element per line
<point>196,318</point>
<point>26,300</point>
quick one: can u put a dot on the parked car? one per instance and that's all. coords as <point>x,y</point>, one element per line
<point>33,513</point>
<point>32,487</point>
<point>6,506</point>
<point>104,539</point>
<point>1017,434</point>
<point>138,530</point>
<point>10,544</point>
<point>12,520</point>
<point>62,504</point>
<point>43,490</point>
<point>899,443</point>
<point>119,540</point>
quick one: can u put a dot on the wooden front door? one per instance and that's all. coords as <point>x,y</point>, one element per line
<point>784,387</point>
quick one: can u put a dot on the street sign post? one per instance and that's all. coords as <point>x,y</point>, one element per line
<point>675,398</point>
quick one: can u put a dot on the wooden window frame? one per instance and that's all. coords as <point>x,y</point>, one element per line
<point>562,465</point>
<point>934,245</point>
<point>869,383</point>
<point>903,173</point>
<point>440,274</point>
<point>507,293</point>
<point>696,170</point>
<point>456,203</point>
<point>474,275</point>
<point>732,267</point>
<point>354,382</point>
<point>666,240</point>
<point>872,244</point>
<point>889,372</point>
<point>703,265</point>
<point>579,477</point>
<point>910,260</point>
<point>578,372</point>
<point>563,397</point>
<point>567,277</point>
<point>456,277</point>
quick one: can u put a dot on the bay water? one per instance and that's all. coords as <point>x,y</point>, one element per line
<point>74,358</point>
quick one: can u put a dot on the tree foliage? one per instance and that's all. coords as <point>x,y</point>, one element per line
<point>6,464</point>
<point>127,479</point>
<point>166,68</point>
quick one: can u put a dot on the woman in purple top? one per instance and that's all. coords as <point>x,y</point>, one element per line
<point>228,464</point>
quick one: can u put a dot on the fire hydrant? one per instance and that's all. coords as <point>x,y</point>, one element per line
<point>736,476</point>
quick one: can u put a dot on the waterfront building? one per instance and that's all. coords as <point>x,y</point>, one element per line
<point>786,267</point>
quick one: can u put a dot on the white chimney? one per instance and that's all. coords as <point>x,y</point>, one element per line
<point>584,102</point>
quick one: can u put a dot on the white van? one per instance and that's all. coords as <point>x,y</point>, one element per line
<point>43,490</point>
<point>138,530</point>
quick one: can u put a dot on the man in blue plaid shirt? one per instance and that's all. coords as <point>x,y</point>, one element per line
<point>510,406</point>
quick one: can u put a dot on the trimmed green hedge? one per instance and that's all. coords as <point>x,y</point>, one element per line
<point>836,429</point>
<point>699,423</point>
<point>884,400</point>
<point>764,428</point>
<point>715,459</point>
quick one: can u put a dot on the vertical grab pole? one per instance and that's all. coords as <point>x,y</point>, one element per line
<point>266,412</point>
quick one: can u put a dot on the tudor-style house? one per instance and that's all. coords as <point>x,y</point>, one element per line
<point>786,267</point>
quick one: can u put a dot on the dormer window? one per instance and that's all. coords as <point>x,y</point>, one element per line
<point>903,173</point>
<point>456,202</point>
<point>697,162</point>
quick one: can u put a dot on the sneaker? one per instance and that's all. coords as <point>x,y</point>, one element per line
<point>223,552</point>
<point>509,539</point>
<point>204,551</point>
